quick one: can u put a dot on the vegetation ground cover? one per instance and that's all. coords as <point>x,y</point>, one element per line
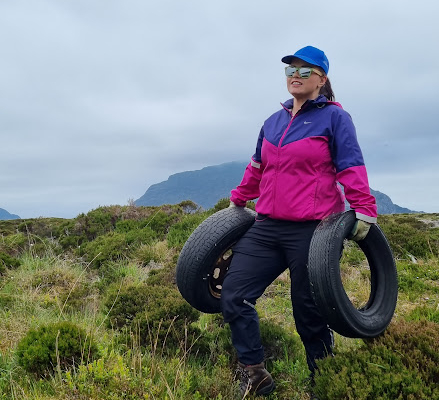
<point>89,310</point>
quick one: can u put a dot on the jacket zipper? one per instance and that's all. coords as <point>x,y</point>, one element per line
<point>278,156</point>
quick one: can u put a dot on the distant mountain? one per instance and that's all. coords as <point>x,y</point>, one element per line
<point>206,186</point>
<point>386,206</point>
<point>5,215</point>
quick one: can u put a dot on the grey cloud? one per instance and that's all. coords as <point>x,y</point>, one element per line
<point>101,99</point>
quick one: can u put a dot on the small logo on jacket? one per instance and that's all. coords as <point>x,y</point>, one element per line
<point>307,122</point>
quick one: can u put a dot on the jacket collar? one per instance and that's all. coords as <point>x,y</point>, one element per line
<point>288,105</point>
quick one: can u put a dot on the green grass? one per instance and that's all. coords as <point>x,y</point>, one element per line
<point>57,281</point>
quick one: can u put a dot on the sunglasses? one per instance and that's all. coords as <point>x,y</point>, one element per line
<point>304,72</point>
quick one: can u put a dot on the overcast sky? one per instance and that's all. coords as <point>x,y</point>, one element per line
<point>99,99</point>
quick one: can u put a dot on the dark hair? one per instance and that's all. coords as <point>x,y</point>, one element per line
<point>326,90</point>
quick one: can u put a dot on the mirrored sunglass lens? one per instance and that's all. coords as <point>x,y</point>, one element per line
<point>305,72</point>
<point>289,71</point>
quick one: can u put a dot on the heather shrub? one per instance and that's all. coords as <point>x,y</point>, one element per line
<point>86,227</point>
<point>402,364</point>
<point>6,301</point>
<point>111,246</point>
<point>155,314</point>
<point>42,227</point>
<point>221,204</point>
<point>56,279</point>
<point>69,236</point>
<point>162,277</point>
<point>225,202</point>
<point>6,261</point>
<point>140,236</point>
<point>251,205</point>
<point>188,206</point>
<point>65,345</point>
<point>20,243</point>
<point>124,305</point>
<point>80,298</point>
<point>114,245</point>
<point>157,251</point>
<point>180,232</point>
<point>127,225</point>
<point>122,219</point>
<point>14,244</point>
<point>160,222</point>
<point>96,222</point>
<point>409,236</point>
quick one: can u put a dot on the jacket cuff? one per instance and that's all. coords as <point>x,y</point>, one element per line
<point>366,218</point>
<point>238,202</point>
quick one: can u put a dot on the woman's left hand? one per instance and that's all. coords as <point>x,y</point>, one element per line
<point>360,230</point>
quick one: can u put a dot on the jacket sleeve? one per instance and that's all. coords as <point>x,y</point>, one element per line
<point>350,169</point>
<point>249,187</point>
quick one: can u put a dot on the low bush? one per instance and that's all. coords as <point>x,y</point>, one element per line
<point>80,298</point>
<point>157,251</point>
<point>114,245</point>
<point>111,246</point>
<point>6,301</point>
<point>160,222</point>
<point>137,237</point>
<point>155,314</point>
<point>42,227</point>
<point>409,236</point>
<point>6,261</point>
<point>59,345</point>
<point>180,232</point>
<point>402,364</point>
<point>14,245</point>
<point>121,219</point>
<point>221,204</point>
<point>124,305</point>
<point>162,277</point>
<point>225,202</point>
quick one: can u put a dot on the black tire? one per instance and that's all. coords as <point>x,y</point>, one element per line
<point>327,288</point>
<point>206,256</point>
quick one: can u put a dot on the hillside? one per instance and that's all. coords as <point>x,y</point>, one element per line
<point>206,186</point>
<point>5,215</point>
<point>89,310</point>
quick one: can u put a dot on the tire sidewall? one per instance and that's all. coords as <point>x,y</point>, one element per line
<point>332,300</point>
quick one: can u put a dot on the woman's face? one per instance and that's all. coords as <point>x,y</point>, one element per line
<point>301,88</point>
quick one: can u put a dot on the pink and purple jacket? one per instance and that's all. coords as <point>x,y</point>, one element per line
<point>298,162</point>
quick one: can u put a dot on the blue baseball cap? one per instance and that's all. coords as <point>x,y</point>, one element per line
<point>310,55</point>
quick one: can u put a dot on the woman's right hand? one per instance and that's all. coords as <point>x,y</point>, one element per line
<point>360,230</point>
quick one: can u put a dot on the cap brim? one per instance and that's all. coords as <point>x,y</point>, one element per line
<point>289,59</point>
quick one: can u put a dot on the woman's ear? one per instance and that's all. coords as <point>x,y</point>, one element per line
<point>323,80</point>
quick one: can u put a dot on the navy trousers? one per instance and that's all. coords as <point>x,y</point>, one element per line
<point>267,249</point>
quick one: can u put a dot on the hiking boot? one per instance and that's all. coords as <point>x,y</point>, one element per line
<point>255,379</point>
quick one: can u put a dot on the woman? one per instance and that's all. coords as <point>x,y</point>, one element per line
<point>302,152</point>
